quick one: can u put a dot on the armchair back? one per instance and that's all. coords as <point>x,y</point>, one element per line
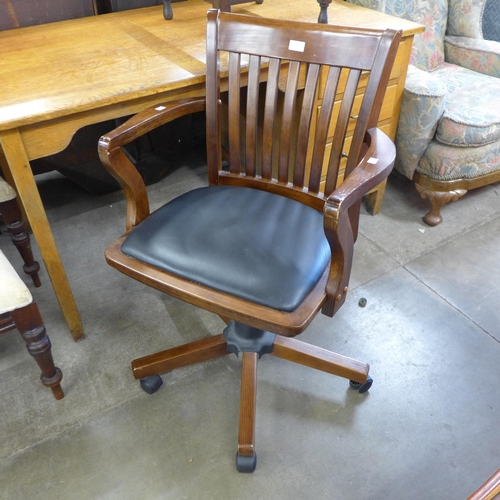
<point>428,47</point>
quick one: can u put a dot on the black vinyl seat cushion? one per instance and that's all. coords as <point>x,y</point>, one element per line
<point>252,244</point>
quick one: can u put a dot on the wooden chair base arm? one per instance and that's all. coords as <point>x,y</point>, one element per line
<point>320,359</point>
<point>248,397</point>
<point>188,354</point>
<point>283,347</point>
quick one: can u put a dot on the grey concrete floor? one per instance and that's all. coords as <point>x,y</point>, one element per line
<point>428,429</point>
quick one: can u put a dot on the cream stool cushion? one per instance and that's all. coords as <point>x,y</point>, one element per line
<point>6,191</point>
<point>14,294</point>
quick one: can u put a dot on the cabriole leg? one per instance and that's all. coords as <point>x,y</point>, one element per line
<point>438,200</point>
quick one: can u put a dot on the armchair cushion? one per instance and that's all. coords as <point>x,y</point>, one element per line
<point>472,112</point>
<point>239,248</point>
<point>478,19</point>
<point>465,18</point>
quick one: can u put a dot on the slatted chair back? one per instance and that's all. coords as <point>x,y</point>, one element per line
<point>277,134</point>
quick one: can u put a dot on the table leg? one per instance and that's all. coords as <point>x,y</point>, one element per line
<point>375,198</point>
<point>18,167</point>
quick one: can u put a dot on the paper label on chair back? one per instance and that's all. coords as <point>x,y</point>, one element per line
<point>296,45</point>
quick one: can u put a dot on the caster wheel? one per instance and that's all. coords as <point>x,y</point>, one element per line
<point>151,384</point>
<point>246,464</point>
<point>361,387</point>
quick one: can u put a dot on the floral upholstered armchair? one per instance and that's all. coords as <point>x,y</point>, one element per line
<point>448,138</point>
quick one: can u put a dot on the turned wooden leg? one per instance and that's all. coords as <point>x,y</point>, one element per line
<point>12,216</point>
<point>188,354</point>
<point>246,458</point>
<point>438,200</point>
<point>323,14</point>
<point>168,13</point>
<point>30,325</point>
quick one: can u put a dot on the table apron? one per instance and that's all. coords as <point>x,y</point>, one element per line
<point>52,136</point>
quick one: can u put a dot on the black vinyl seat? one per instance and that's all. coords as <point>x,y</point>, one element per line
<point>224,237</point>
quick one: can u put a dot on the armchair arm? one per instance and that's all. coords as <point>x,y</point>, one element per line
<point>119,165</point>
<point>374,167</point>
<point>476,54</point>
<point>421,109</point>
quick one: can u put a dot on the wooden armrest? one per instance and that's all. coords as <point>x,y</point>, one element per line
<point>375,166</point>
<point>147,120</point>
<point>119,165</point>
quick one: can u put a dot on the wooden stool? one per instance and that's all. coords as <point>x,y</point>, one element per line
<point>19,310</point>
<point>11,214</point>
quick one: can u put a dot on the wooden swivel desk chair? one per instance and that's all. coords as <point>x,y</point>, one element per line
<point>264,245</point>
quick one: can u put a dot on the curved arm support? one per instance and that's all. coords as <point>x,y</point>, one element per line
<point>118,163</point>
<point>421,109</point>
<point>374,167</point>
<point>423,103</point>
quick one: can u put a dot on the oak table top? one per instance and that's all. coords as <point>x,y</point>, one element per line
<point>56,78</point>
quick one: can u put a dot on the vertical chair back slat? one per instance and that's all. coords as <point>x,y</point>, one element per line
<point>287,120</point>
<point>252,115</point>
<point>342,124</point>
<point>304,127</point>
<point>234,115</point>
<point>322,127</point>
<point>270,110</point>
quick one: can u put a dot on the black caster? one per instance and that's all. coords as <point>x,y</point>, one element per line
<point>246,464</point>
<point>151,384</point>
<point>361,387</point>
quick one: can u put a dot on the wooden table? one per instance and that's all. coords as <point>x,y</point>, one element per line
<point>57,78</point>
